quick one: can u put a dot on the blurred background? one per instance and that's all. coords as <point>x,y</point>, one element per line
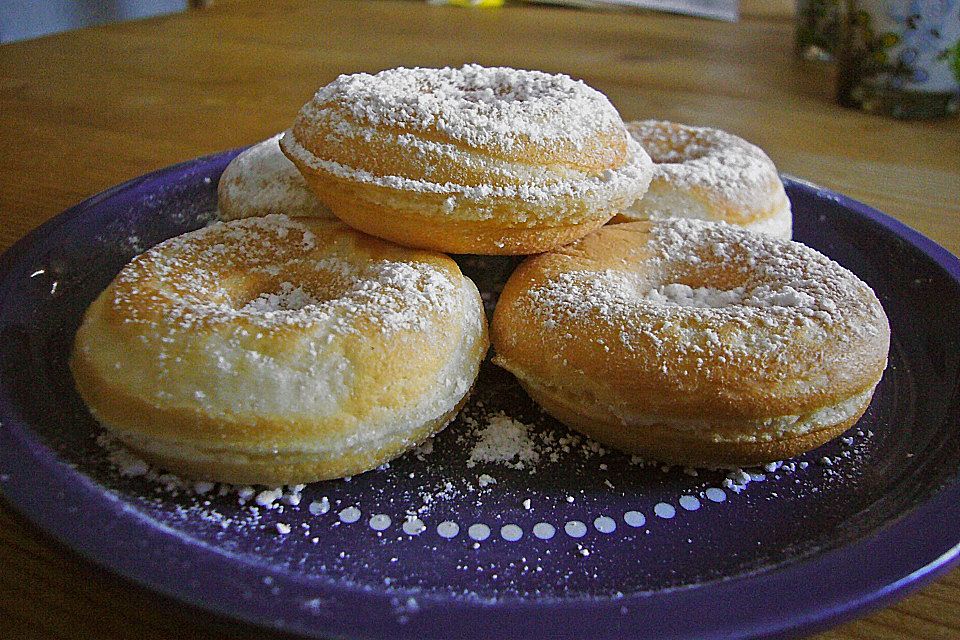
<point>23,19</point>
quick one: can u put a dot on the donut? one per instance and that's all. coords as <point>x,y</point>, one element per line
<point>469,160</point>
<point>693,342</point>
<point>261,181</point>
<point>277,350</point>
<point>710,175</point>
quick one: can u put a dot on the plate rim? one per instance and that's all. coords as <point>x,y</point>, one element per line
<point>911,560</point>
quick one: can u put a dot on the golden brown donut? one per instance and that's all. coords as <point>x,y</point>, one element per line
<point>469,160</point>
<point>261,181</point>
<point>279,351</point>
<point>693,342</point>
<point>710,175</point>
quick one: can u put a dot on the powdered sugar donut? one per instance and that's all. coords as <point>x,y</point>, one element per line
<point>279,351</point>
<point>468,160</point>
<point>693,342</point>
<point>711,175</point>
<point>261,181</point>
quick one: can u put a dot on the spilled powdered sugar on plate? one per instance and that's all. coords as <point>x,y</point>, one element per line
<point>478,483</point>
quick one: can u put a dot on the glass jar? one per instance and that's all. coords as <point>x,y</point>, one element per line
<point>900,57</point>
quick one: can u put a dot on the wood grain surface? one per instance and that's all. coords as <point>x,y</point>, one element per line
<point>82,111</point>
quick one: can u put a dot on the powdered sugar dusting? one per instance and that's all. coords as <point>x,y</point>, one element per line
<point>779,288</point>
<point>686,157</point>
<point>182,282</point>
<point>471,135</point>
<point>491,107</point>
<point>709,174</point>
<point>536,186</point>
<point>262,181</point>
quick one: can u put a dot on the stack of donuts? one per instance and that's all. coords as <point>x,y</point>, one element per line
<point>319,329</point>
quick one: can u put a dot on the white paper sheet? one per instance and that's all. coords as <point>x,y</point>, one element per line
<point>717,9</point>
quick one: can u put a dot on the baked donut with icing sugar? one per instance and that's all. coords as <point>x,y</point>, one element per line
<point>710,175</point>
<point>261,181</point>
<point>468,160</point>
<point>693,342</point>
<point>276,350</point>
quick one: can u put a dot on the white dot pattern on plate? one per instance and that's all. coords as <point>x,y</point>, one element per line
<point>544,530</point>
<point>349,515</point>
<point>319,507</point>
<point>511,532</point>
<point>478,532</point>
<point>413,526</point>
<point>664,510</point>
<point>715,494</point>
<point>605,524</point>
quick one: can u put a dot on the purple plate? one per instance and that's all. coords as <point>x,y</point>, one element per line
<point>581,542</point>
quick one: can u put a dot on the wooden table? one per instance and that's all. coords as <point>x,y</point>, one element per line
<point>82,111</point>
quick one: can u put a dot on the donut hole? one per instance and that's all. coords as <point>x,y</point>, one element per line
<point>286,292</point>
<point>490,86</point>
<point>662,153</point>
<point>287,298</point>
<point>724,285</point>
<point>703,280</point>
<point>672,144</point>
<point>685,295</point>
<point>501,92</point>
